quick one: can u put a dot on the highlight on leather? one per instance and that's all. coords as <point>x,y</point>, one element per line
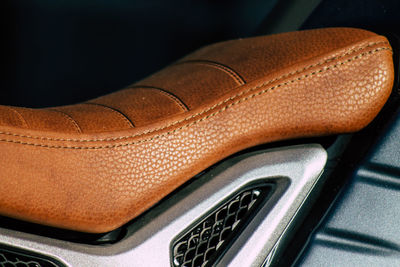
<point>94,166</point>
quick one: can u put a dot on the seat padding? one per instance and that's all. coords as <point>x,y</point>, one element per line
<point>94,166</point>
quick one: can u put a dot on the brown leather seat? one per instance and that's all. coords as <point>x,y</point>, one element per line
<point>96,165</point>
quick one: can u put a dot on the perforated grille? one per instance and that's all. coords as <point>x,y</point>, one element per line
<point>9,257</point>
<point>208,239</point>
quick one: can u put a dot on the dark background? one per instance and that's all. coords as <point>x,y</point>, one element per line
<point>56,52</point>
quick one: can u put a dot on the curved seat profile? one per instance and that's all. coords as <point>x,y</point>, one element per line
<point>94,166</point>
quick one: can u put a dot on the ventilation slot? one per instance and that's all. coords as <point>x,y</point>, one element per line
<point>10,257</point>
<point>207,240</point>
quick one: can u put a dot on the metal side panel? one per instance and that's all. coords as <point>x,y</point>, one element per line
<point>295,170</point>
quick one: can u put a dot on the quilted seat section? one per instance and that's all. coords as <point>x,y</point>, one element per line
<point>193,81</point>
<point>95,166</point>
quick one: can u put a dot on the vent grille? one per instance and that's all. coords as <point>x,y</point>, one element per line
<point>10,257</point>
<point>208,239</point>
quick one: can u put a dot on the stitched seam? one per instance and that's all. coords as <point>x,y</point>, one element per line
<point>116,111</point>
<point>69,118</point>
<point>216,105</point>
<point>219,66</point>
<point>195,115</point>
<point>175,100</point>
<point>22,119</point>
<point>166,93</point>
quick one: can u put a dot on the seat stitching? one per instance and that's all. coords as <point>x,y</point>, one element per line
<point>195,115</point>
<point>120,113</point>
<point>235,75</point>
<point>68,117</point>
<point>21,118</point>
<point>170,95</point>
<point>218,104</point>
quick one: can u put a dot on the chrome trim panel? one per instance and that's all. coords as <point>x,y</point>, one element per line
<point>150,237</point>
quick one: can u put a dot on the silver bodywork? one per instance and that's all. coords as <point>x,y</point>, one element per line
<point>296,169</point>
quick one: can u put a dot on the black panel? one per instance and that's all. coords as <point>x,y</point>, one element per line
<point>376,15</point>
<point>362,227</point>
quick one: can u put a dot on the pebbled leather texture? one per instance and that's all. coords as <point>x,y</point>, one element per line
<point>94,166</point>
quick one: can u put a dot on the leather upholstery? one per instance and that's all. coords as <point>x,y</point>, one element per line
<point>96,165</point>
